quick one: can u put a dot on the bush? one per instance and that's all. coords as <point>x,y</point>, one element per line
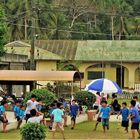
<point>33,131</point>
<point>46,96</point>
<point>85,98</point>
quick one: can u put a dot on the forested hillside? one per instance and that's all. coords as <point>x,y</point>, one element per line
<point>72,19</point>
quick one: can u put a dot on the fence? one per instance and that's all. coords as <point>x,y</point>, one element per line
<point>128,95</point>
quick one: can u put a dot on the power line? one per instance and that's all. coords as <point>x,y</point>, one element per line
<point>74,31</point>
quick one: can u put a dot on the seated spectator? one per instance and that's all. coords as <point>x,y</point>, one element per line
<point>34,117</point>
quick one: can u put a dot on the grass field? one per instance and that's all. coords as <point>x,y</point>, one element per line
<point>82,131</point>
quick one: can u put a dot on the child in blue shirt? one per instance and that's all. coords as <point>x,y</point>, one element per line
<point>21,116</point>
<point>125,113</point>
<point>135,118</point>
<point>58,116</point>
<point>22,112</point>
<point>3,117</point>
<point>74,111</point>
<point>39,106</point>
<point>105,111</point>
<point>17,110</point>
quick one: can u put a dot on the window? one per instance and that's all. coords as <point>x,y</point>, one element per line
<point>95,75</point>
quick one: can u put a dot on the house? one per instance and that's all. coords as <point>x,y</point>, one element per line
<point>117,60</point>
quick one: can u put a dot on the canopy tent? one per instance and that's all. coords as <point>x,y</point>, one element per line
<point>27,77</point>
<point>23,75</point>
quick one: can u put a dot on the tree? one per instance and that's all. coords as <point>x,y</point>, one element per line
<point>3,30</point>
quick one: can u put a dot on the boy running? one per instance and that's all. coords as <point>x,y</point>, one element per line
<point>21,116</point>
<point>125,113</point>
<point>135,118</point>
<point>105,111</point>
<point>58,116</point>
<point>16,112</point>
<point>99,118</point>
<point>74,111</point>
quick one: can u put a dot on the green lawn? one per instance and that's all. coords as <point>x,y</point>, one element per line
<point>82,131</point>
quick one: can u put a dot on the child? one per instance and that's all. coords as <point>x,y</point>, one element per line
<point>21,115</point>
<point>125,113</point>
<point>3,117</point>
<point>39,106</point>
<point>135,98</point>
<point>16,112</point>
<point>31,104</point>
<point>106,111</point>
<point>58,114</point>
<point>74,110</point>
<point>99,118</point>
<point>34,117</point>
<point>135,118</point>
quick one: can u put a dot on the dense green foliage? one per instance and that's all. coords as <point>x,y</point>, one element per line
<point>33,131</point>
<point>2,32</point>
<point>85,98</point>
<point>46,96</point>
<point>74,19</point>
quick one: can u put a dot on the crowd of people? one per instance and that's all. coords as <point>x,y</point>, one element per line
<point>32,113</point>
<point>131,113</point>
<point>60,109</point>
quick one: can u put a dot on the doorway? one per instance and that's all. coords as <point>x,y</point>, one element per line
<point>120,77</point>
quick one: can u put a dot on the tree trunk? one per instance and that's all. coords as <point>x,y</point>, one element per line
<point>95,21</point>
<point>25,21</point>
<point>112,26</point>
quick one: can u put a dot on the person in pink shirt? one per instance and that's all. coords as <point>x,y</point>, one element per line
<point>98,101</point>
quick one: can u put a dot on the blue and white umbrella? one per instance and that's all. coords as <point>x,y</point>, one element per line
<point>104,85</point>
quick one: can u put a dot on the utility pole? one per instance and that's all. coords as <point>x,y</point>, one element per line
<point>103,75</point>
<point>32,51</point>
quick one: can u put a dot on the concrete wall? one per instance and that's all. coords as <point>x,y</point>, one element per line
<point>45,66</point>
<point>131,73</point>
<point>13,122</point>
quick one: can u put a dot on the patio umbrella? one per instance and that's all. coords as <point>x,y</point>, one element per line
<point>104,85</point>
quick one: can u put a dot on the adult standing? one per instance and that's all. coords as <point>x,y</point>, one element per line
<point>31,104</point>
<point>98,101</point>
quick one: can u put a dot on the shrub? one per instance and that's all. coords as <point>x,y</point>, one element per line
<point>33,131</point>
<point>46,96</point>
<point>85,98</point>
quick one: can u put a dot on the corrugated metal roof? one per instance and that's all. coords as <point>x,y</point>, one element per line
<point>90,50</point>
<point>24,49</point>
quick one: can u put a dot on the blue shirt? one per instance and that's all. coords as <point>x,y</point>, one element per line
<point>39,107</point>
<point>22,114</point>
<point>74,110</point>
<point>65,104</point>
<point>135,113</point>
<point>125,114</point>
<point>2,109</point>
<point>57,114</point>
<point>105,112</point>
<point>16,110</point>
